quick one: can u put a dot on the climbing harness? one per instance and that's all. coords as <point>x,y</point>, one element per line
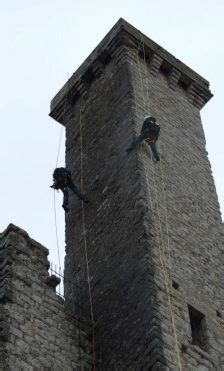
<point>167,276</point>
<point>85,244</point>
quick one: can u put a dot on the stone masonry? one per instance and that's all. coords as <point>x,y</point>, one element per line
<point>153,230</point>
<point>36,332</point>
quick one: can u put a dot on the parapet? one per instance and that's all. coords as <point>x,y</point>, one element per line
<point>158,59</point>
<point>36,330</point>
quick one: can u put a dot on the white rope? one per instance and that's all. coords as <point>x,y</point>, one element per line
<point>161,253</point>
<point>85,247</point>
<point>56,165</point>
<point>163,188</point>
<point>56,231</point>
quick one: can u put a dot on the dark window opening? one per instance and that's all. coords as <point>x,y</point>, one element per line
<point>197,322</point>
<point>175,285</point>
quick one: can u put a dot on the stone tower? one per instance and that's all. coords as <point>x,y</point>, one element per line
<point>153,231</point>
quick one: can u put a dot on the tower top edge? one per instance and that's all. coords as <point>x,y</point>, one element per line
<point>124,33</point>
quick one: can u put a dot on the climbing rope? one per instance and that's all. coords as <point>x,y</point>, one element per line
<point>59,146</point>
<point>56,165</point>
<point>162,177</point>
<point>85,246</point>
<point>163,188</point>
<point>55,212</point>
<point>85,243</point>
<point>63,124</point>
<point>164,201</point>
<point>161,247</point>
<point>168,279</point>
<point>56,231</point>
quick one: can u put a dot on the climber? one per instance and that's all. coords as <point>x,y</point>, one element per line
<point>149,132</point>
<point>62,180</point>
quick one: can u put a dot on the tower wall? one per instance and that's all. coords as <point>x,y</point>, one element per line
<point>186,218</point>
<point>114,223</point>
<point>153,231</point>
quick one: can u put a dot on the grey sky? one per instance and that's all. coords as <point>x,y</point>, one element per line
<point>44,41</point>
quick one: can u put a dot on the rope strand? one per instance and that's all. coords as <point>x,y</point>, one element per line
<point>56,231</point>
<point>85,246</point>
<point>56,165</point>
<point>161,251</point>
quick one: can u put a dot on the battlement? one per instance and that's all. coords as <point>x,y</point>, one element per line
<point>36,329</point>
<point>123,37</point>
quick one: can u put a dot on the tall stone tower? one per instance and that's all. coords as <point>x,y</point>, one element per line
<point>153,231</point>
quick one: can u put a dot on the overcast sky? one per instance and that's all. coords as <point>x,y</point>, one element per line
<point>42,42</point>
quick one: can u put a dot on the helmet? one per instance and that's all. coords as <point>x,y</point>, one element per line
<point>151,118</point>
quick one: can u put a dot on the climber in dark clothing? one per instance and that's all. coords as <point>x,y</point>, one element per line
<point>62,180</point>
<point>149,132</point>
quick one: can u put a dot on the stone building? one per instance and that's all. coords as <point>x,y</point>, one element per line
<point>36,330</point>
<point>149,244</point>
<point>153,230</point>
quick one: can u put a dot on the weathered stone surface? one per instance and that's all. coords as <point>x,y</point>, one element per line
<point>35,329</point>
<point>145,221</point>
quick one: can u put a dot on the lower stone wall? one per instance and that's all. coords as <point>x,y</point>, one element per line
<point>35,329</point>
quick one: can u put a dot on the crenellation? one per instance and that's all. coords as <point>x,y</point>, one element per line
<point>173,79</point>
<point>155,64</point>
<point>197,95</point>
<point>35,328</point>
<point>110,47</point>
<point>97,68</point>
<point>122,54</point>
<point>82,89</point>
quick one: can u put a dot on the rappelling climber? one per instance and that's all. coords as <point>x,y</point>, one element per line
<point>149,132</point>
<point>62,180</point>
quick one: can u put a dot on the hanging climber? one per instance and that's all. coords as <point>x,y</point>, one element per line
<point>62,180</point>
<point>149,132</point>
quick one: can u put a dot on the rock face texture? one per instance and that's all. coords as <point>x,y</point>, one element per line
<point>36,332</point>
<point>153,231</point>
